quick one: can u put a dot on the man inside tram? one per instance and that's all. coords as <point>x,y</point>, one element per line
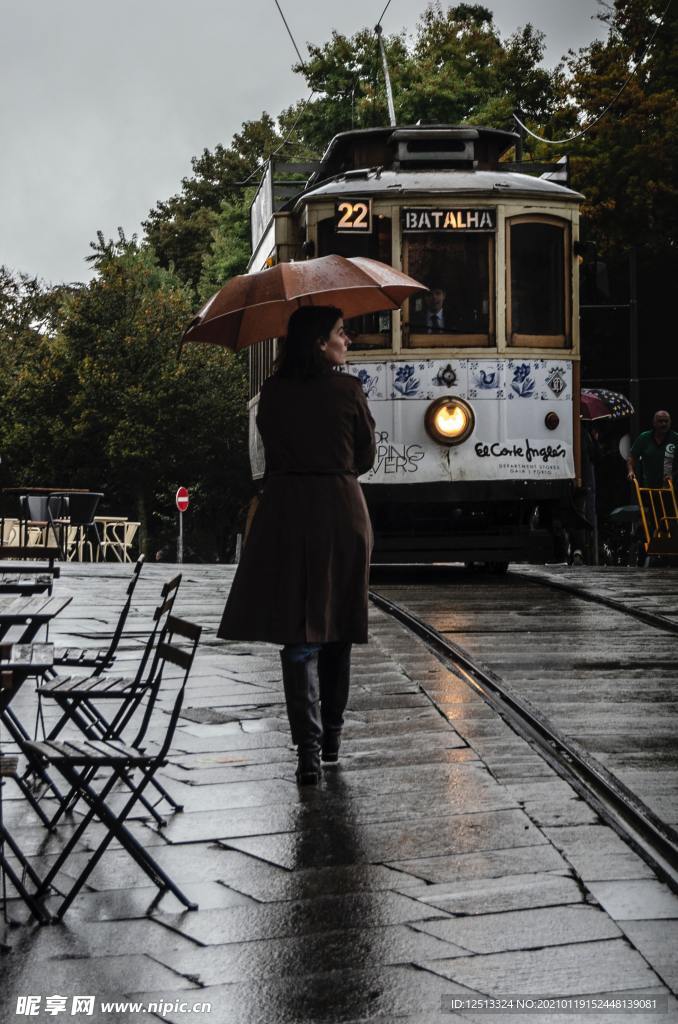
<point>652,458</point>
<point>432,316</point>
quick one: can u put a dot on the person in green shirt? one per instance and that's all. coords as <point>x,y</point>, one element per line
<point>652,455</point>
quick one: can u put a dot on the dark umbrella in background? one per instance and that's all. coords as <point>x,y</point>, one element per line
<point>254,307</point>
<point>601,404</point>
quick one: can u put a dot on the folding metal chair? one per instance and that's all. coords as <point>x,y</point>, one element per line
<point>77,761</point>
<point>79,698</point>
<point>99,660</point>
<point>12,856</point>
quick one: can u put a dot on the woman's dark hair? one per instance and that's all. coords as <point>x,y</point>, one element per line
<point>300,354</point>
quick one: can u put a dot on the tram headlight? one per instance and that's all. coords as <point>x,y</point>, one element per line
<point>449,420</point>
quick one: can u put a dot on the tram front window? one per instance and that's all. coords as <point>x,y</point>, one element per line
<point>372,331</point>
<point>538,287</point>
<point>457,269</point>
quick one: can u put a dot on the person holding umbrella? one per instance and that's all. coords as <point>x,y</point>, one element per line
<point>303,577</point>
<point>302,581</point>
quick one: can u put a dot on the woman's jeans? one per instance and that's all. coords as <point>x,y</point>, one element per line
<point>297,653</point>
<point>326,674</point>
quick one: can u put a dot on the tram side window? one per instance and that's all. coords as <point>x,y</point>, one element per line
<point>374,330</point>
<point>458,271</point>
<point>538,284</point>
<point>261,360</point>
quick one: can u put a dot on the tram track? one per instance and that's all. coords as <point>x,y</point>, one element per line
<point>614,802</point>
<point>648,618</point>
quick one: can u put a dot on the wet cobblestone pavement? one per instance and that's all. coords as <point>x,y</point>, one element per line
<point>441,858</point>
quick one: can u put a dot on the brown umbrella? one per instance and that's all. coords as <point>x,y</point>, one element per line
<point>252,307</point>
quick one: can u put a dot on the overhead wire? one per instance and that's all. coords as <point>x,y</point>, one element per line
<point>289,32</point>
<point>305,102</point>
<point>591,124</point>
<point>310,95</point>
<point>285,140</point>
<point>383,13</point>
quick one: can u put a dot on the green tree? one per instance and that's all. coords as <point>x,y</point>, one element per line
<point>36,380</point>
<point>457,69</point>
<point>180,228</point>
<point>105,403</point>
<point>625,164</point>
<point>229,249</point>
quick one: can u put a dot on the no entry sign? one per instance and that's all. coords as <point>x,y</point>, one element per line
<point>182,499</point>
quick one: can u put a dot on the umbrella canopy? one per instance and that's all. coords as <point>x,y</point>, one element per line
<point>253,307</point>
<point>601,404</point>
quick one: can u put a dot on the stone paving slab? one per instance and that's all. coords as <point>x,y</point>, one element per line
<point>637,900</point>
<point>459,833</point>
<point>524,929</point>
<point>442,856</point>
<point>382,991</point>
<point>317,914</point>
<point>522,860</point>
<point>493,895</point>
<point>609,965</point>
<point>657,941</point>
<point>597,853</point>
<point>296,955</point>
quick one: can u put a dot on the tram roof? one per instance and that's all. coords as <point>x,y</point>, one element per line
<point>426,183</point>
<point>425,159</point>
<point>369,147</point>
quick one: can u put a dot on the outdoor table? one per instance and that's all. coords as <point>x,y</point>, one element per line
<point>49,552</point>
<point>24,568</point>
<point>44,490</point>
<point>64,492</point>
<point>26,584</point>
<point>28,615</point>
<point>17,663</point>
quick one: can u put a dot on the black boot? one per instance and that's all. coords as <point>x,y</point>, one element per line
<point>300,681</point>
<point>334,670</point>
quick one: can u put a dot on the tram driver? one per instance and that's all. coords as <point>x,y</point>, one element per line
<point>432,316</point>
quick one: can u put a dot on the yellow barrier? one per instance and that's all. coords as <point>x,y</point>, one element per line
<point>659,516</point>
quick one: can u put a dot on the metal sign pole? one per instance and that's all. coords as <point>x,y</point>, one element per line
<point>181,500</point>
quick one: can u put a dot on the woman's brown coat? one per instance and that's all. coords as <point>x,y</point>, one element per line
<point>304,570</point>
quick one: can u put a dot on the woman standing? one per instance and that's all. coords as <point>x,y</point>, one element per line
<point>302,581</point>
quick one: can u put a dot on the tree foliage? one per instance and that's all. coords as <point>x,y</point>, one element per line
<point>180,228</point>
<point>104,402</point>
<point>229,248</point>
<point>625,164</point>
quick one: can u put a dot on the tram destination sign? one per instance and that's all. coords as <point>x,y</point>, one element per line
<point>448,218</point>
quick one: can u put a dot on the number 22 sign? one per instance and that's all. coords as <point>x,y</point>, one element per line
<point>353,217</point>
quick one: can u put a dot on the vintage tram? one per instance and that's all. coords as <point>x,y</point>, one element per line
<point>474,385</point>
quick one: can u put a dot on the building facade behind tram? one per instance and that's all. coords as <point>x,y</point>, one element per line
<point>474,386</point>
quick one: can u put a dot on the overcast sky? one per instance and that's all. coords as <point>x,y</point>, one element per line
<point>103,104</point>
